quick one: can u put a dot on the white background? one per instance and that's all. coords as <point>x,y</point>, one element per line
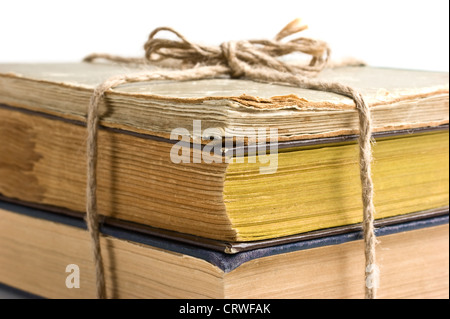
<point>392,33</point>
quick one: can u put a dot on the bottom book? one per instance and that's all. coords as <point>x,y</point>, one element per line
<point>49,255</point>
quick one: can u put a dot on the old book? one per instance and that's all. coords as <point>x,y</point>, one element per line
<point>36,247</point>
<point>235,195</point>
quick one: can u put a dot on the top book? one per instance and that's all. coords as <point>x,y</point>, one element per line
<point>401,99</point>
<point>302,176</point>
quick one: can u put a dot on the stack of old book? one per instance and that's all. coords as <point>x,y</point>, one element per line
<point>193,208</point>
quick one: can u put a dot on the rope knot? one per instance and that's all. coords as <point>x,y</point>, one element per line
<point>228,49</point>
<point>239,56</point>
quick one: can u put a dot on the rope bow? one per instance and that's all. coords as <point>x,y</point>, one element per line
<point>257,60</point>
<point>240,57</point>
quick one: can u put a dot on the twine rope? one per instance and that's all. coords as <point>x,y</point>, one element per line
<point>255,60</point>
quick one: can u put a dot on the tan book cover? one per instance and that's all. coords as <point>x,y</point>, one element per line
<point>49,255</point>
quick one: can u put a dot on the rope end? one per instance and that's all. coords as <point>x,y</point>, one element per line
<point>292,27</point>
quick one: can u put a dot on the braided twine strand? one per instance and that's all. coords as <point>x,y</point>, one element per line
<point>255,60</point>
